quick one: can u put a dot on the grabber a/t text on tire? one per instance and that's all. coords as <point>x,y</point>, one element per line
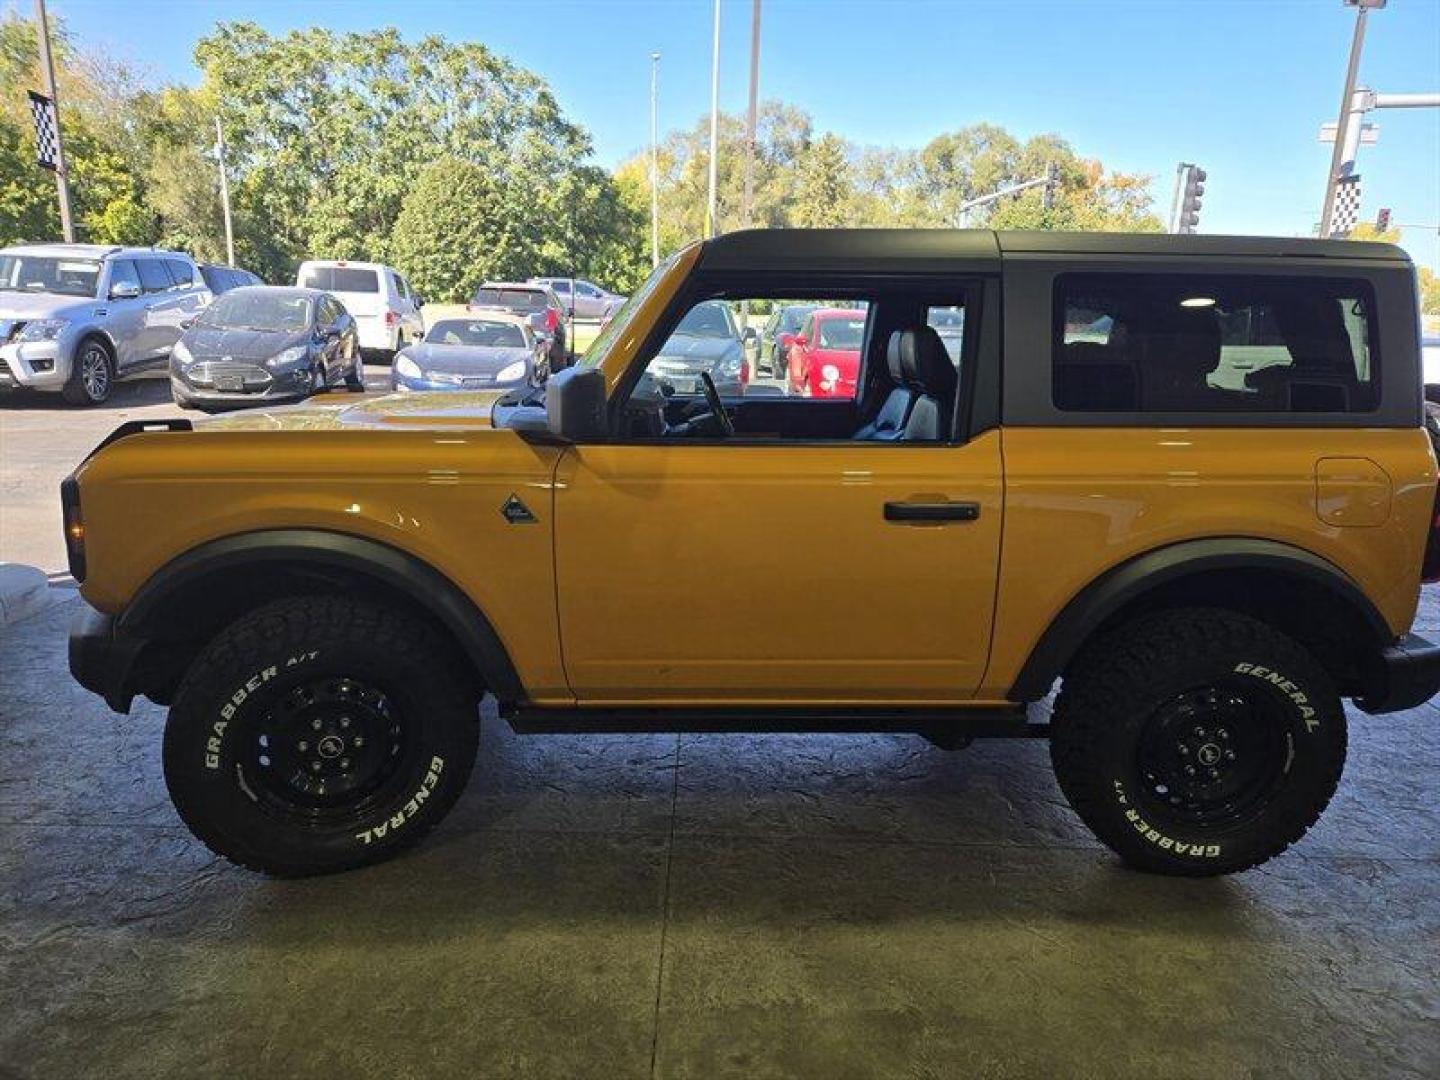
<point>318,734</point>
<point>1197,741</point>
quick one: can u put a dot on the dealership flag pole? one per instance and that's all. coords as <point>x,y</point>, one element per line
<point>710,224</point>
<point>654,159</point>
<point>62,178</point>
<point>224,193</point>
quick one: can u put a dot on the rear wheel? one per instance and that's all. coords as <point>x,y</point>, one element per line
<point>1198,741</point>
<point>92,374</point>
<point>319,734</point>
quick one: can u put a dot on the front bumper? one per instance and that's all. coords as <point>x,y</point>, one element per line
<point>258,385</point>
<point>34,365</point>
<point>102,659</point>
<point>1404,675</point>
<point>402,382</point>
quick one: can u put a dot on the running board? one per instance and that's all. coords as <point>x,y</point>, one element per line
<point>949,728</point>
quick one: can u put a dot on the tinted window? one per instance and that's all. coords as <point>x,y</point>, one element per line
<point>1179,343</point>
<point>153,275</point>
<point>511,299</point>
<point>216,280</point>
<point>258,309</point>
<point>180,273</point>
<point>123,270</point>
<point>351,279</point>
<point>477,332</point>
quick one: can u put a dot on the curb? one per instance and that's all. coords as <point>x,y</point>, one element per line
<point>24,590</point>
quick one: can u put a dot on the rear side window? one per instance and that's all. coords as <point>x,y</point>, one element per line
<point>180,273</point>
<point>351,279</point>
<point>1213,343</point>
<point>512,299</point>
<point>153,275</point>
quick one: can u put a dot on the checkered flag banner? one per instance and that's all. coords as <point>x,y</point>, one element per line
<point>46,141</point>
<point>1347,205</point>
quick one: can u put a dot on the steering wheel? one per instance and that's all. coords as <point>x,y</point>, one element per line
<point>717,407</point>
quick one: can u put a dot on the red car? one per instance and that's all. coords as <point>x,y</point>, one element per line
<point>824,357</point>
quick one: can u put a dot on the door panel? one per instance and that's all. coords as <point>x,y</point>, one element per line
<point>734,574</point>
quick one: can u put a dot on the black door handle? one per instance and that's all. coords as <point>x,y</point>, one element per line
<point>941,511</point>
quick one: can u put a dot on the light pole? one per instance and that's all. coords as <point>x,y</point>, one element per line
<point>62,177</point>
<point>1337,157</point>
<point>710,203</point>
<point>750,117</point>
<point>224,193</point>
<point>654,159</point>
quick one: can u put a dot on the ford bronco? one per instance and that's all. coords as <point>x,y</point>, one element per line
<point>1186,478</point>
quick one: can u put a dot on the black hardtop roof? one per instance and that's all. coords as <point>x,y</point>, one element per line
<point>922,249</point>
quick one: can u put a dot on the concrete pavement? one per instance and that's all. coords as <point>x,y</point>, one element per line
<point>705,906</point>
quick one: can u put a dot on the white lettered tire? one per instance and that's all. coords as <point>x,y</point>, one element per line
<point>318,734</point>
<point>1198,741</point>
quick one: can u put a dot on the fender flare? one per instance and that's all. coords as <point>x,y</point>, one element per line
<point>428,587</point>
<point>1088,609</point>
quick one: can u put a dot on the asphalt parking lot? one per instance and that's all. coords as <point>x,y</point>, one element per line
<point>632,906</point>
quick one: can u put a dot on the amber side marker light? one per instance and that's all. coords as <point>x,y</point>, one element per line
<point>74,527</point>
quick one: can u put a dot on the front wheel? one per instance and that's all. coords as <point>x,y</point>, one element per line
<point>1198,741</point>
<point>92,374</point>
<point>319,734</point>
<point>355,378</point>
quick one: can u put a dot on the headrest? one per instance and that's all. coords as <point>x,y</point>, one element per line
<point>892,359</point>
<point>925,362</point>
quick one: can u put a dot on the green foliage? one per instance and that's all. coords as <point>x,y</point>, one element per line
<point>448,238</point>
<point>1429,285</point>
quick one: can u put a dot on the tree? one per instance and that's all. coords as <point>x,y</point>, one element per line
<point>452,232</point>
<point>823,189</point>
<point>1429,286</point>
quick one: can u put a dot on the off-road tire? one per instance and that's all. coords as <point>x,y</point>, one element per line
<point>1121,685</point>
<point>248,680</point>
<point>80,390</point>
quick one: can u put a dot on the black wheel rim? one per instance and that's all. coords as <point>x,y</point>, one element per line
<point>95,373</point>
<point>328,749</point>
<point>1213,756</point>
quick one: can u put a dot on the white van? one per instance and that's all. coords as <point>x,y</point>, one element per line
<point>385,310</point>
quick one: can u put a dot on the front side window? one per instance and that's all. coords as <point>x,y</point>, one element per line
<point>122,272</point>
<point>1212,343</point>
<point>859,367</point>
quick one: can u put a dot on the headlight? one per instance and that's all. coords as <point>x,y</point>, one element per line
<point>181,353</point>
<point>42,330</point>
<point>830,373</point>
<point>511,372</point>
<point>289,356</point>
<point>731,363</point>
<point>407,367</point>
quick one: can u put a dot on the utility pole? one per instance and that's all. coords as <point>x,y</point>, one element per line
<point>224,193</point>
<point>654,159</point>
<point>62,177</point>
<point>710,205</point>
<point>1337,157</point>
<point>751,117</point>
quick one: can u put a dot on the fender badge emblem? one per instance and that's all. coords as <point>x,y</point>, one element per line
<point>516,512</point>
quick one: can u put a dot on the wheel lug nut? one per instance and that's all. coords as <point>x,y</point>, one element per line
<point>1184,750</point>
<point>344,762</point>
<point>1223,735</point>
<point>302,746</point>
<point>1229,755</point>
<point>315,766</point>
<point>359,740</point>
<point>315,724</point>
<point>1214,774</point>
<point>1199,732</point>
<point>1189,770</point>
<point>344,721</point>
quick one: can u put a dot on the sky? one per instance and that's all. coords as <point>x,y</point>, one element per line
<point>1238,86</point>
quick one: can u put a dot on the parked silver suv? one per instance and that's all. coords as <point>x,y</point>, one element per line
<point>75,317</point>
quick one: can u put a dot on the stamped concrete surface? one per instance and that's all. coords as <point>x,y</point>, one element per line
<point>703,906</point>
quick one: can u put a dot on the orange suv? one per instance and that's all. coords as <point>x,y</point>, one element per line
<point>1187,479</point>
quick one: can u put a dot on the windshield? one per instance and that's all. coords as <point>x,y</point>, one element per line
<point>622,319</point>
<point>842,333</point>
<point>476,332</point>
<point>510,299</point>
<point>351,279</point>
<point>709,319</point>
<point>47,274</point>
<point>247,309</point>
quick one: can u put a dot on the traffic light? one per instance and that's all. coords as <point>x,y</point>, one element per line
<point>1190,199</point>
<point>1052,181</point>
<point>1382,220</point>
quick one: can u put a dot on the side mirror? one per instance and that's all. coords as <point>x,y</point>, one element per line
<point>124,290</point>
<point>420,334</point>
<point>417,300</point>
<point>187,323</point>
<point>575,404</point>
